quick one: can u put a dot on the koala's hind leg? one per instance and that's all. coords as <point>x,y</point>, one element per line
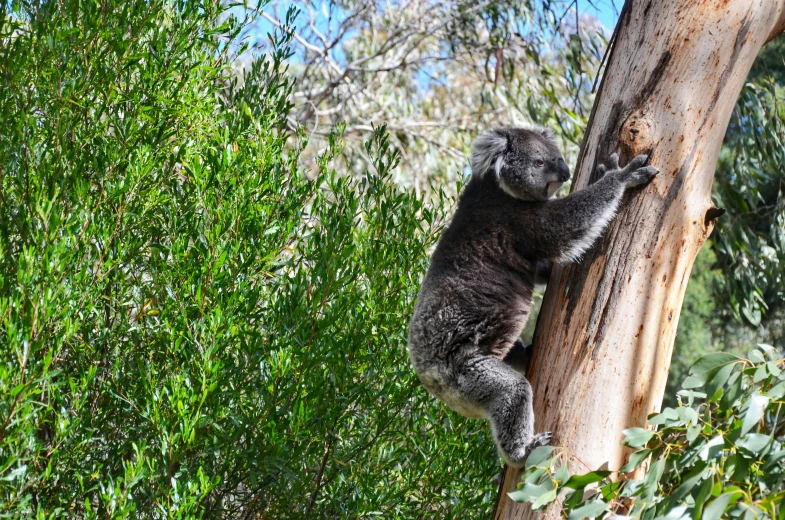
<point>506,397</point>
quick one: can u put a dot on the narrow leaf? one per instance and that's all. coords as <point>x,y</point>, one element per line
<point>581,481</point>
<point>757,406</point>
<point>637,437</point>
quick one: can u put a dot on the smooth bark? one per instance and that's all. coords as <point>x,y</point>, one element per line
<point>606,330</point>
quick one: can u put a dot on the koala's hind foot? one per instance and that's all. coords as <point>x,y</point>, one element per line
<point>539,439</point>
<point>506,397</point>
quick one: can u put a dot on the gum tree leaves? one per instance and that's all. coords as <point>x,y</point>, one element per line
<point>717,455</point>
<point>709,366</point>
<point>756,406</point>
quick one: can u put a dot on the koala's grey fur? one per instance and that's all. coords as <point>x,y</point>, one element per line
<point>477,294</point>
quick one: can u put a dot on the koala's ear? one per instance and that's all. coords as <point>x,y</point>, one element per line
<point>547,133</point>
<point>486,149</point>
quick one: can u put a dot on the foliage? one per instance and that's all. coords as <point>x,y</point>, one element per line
<point>718,454</point>
<point>750,242</point>
<point>770,62</point>
<point>439,72</point>
<point>191,325</point>
<point>707,326</point>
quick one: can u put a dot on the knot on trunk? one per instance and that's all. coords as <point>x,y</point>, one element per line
<point>713,214</point>
<point>635,136</point>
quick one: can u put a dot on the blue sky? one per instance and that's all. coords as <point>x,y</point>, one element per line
<point>607,11</point>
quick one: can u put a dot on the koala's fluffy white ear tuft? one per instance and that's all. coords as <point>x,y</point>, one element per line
<point>547,133</point>
<point>485,151</point>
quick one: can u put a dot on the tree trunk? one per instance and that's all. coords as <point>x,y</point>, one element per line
<point>606,330</point>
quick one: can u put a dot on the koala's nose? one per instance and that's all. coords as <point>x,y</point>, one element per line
<point>564,171</point>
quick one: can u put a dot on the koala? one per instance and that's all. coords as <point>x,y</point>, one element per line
<point>477,294</point>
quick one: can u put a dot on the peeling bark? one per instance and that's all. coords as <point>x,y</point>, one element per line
<point>605,333</point>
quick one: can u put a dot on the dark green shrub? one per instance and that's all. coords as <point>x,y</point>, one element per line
<point>190,326</point>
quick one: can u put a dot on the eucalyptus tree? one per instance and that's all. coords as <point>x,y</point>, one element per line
<point>609,322</point>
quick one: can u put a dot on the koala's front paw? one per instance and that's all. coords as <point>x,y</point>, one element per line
<point>642,176</point>
<point>636,173</point>
<point>613,166</point>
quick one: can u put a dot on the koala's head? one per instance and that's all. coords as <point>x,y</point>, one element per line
<point>526,163</point>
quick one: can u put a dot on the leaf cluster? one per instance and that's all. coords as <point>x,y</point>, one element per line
<point>719,454</point>
<point>750,241</point>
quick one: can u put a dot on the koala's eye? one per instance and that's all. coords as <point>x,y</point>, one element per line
<point>539,163</point>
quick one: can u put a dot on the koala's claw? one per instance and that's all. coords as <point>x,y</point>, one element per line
<point>613,164</point>
<point>637,163</point>
<point>540,439</point>
<point>642,176</point>
<point>614,161</point>
<point>635,173</point>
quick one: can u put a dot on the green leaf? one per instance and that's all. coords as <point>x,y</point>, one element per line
<point>740,467</point>
<point>712,448</point>
<point>712,362</point>
<point>693,432</point>
<point>591,509</point>
<point>753,314</point>
<point>544,499</point>
<point>668,415</point>
<point>756,408</point>
<point>581,481</point>
<point>676,513</point>
<point>719,380</point>
<point>768,349</point>
<point>538,456</point>
<point>534,475</point>
<point>776,392</point>
<point>760,374</point>
<point>703,493</point>
<point>707,367</point>
<point>562,474</point>
<point>652,479</point>
<point>733,391</point>
<point>754,443</point>
<point>573,499</point>
<point>691,395</point>
<point>716,507</point>
<point>694,381</point>
<point>690,480</point>
<point>687,415</point>
<point>773,459</point>
<point>531,492</point>
<point>637,437</point>
<point>611,490</point>
<point>635,460</point>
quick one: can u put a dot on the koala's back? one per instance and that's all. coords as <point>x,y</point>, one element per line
<point>477,293</point>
